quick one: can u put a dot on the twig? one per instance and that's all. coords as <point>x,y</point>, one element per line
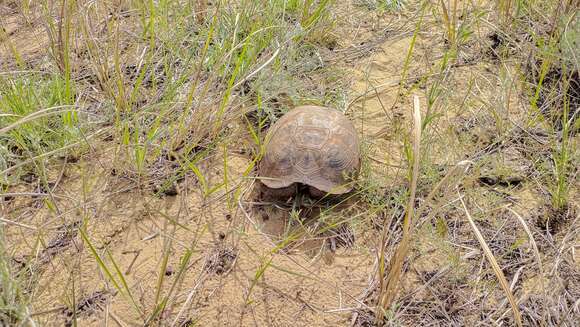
<point>258,69</point>
<point>10,222</point>
<point>189,298</point>
<point>496,268</point>
<point>390,288</point>
<point>534,246</point>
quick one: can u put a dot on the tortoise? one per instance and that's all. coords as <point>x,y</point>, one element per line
<point>311,146</point>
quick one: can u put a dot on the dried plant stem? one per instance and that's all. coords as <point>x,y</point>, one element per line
<point>536,251</point>
<point>495,266</point>
<point>389,288</point>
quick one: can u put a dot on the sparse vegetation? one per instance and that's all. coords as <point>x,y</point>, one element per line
<point>130,133</point>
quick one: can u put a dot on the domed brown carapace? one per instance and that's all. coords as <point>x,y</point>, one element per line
<point>314,146</point>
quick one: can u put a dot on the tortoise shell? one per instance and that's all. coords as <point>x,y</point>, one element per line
<point>311,145</point>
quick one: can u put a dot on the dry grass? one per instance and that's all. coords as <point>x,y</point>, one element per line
<point>389,283</point>
<point>496,268</point>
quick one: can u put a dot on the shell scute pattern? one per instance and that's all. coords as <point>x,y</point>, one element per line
<point>309,162</point>
<point>310,137</point>
<point>311,145</point>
